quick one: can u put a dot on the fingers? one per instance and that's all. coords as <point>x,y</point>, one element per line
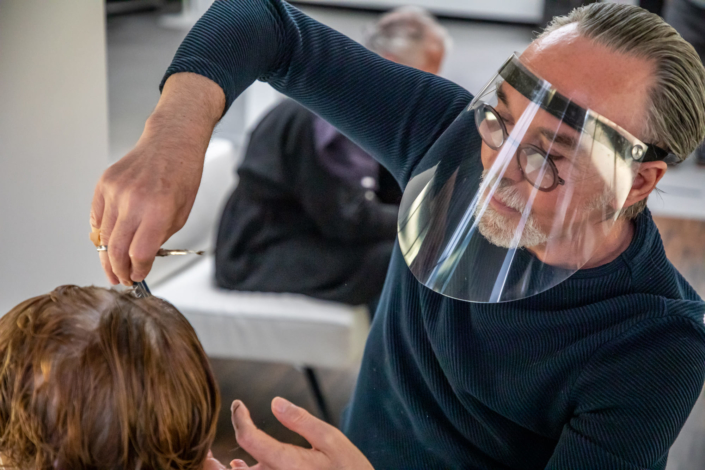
<point>106,228</point>
<point>319,434</point>
<point>118,241</point>
<point>238,465</point>
<point>212,463</point>
<point>260,446</point>
<point>107,268</point>
<point>147,240</point>
<point>132,246</point>
<point>97,217</point>
<point>331,449</point>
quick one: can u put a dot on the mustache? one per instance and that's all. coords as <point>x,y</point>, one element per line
<point>505,191</point>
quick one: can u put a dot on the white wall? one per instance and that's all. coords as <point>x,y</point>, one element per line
<point>53,143</point>
<point>528,11</point>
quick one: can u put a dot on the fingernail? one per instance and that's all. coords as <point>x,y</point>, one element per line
<point>281,405</point>
<point>235,405</point>
<point>238,464</point>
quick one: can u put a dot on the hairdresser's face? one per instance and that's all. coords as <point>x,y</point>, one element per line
<point>611,84</point>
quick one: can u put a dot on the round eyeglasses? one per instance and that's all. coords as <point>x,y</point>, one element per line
<point>536,166</point>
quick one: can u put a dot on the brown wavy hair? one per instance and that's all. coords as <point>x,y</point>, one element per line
<point>96,379</point>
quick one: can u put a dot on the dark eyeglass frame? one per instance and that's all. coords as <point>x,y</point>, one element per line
<point>480,115</point>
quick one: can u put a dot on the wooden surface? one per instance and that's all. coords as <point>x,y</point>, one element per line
<point>256,384</point>
<point>684,241</point>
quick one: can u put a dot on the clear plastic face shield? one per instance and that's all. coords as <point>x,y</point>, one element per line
<point>527,187</point>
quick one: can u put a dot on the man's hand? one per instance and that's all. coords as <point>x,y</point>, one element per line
<point>145,197</point>
<point>331,449</point>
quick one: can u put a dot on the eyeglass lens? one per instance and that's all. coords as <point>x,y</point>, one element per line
<point>535,165</point>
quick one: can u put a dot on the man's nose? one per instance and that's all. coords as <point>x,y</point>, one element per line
<point>509,166</point>
<point>514,172</point>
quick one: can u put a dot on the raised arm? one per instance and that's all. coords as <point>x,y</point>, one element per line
<point>392,111</point>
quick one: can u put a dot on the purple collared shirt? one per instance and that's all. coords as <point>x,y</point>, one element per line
<point>342,158</point>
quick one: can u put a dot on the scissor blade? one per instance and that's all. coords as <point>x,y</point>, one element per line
<point>163,252</point>
<point>141,290</point>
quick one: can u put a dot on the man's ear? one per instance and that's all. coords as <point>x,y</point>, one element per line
<point>649,175</point>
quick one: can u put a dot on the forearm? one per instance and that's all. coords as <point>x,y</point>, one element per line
<point>393,112</point>
<point>188,110</point>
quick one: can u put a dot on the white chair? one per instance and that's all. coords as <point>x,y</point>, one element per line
<point>282,328</point>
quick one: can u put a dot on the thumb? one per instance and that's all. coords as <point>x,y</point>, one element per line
<point>263,448</point>
<point>212,464</point>
<point>319,434</point>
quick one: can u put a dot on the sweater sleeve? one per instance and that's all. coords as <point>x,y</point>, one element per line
<point>393,112</point>
<point>634,397</point>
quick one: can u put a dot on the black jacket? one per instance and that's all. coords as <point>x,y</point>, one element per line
<point>293,226</point>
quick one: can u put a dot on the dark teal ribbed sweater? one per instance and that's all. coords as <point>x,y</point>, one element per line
<point>599,372</point>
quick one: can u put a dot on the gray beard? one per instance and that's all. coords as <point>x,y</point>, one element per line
<point>501,230</point>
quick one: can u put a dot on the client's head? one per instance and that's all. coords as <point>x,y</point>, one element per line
<point>92,378</point>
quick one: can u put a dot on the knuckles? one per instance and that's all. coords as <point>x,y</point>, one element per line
<point>118,257</point>
<point>141,259</point>
<point>330,440</point>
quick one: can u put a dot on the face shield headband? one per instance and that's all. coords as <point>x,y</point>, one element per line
<point>528,84</point>
<point>523,188</point>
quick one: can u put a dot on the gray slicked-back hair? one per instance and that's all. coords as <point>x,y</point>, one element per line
<point>676,108</point>
<point>403,31</point>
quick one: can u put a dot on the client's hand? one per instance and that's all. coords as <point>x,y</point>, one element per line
<point>213,464</point>
<point>331,449</point>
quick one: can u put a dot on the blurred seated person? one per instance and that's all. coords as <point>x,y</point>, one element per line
<point>97,379</point>
<point>313,213</point>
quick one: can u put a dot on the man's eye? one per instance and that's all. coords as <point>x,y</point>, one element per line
<point>555,157</point>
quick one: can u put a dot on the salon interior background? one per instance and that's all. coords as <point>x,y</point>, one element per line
<point>75,89</point>
<point>55,135</point>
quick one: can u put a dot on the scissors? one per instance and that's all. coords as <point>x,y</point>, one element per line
<point>140,289</point>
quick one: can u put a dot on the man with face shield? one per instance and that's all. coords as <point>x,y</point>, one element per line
<point>530,205</point>
<point>530,318</point>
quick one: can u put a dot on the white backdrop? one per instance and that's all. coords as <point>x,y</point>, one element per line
<point>53,143</point>
<point>526,11</point>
